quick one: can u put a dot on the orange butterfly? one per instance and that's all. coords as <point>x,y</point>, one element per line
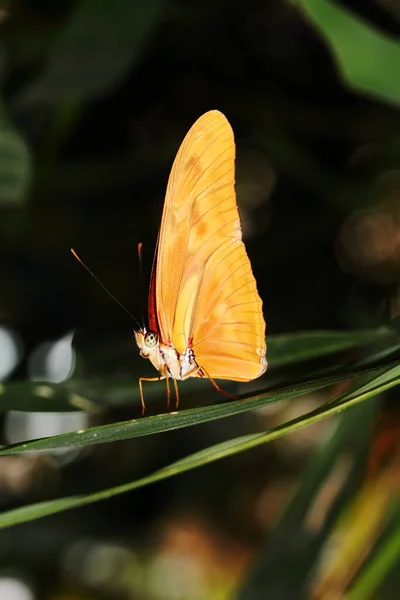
<point>205,314</point>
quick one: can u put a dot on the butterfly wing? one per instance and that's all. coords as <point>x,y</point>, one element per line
<point>206,294</point>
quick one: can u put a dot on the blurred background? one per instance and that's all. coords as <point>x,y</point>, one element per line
<point>95,99</point>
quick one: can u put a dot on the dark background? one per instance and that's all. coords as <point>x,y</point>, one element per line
<point>102,94</point>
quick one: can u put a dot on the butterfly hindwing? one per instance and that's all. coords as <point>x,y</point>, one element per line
<point>206,294</point>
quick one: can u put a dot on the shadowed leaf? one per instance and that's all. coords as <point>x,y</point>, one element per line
<point>367,59</point>
<point>209,455</point>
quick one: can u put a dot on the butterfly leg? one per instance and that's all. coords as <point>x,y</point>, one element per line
<point>141,389</point>
<point>176,394</point>
<point>168,392</point>
<point>220,390</point>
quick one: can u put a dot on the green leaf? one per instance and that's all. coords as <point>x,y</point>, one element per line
<point>284,349</point>
<point>203,457</point>
<point>187,418</point>
<point>277,557</point>
<point>168,421</point>
<point>14,163</point>
<point>368,60</point>
<point>363,384</point>
<point>386,559</point>
<point>94,51</point>
<point>92,394</point>
<point>36,396</point>
<point>352,426</point>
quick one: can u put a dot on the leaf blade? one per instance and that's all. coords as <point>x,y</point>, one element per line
<point>359,49</point>
<point>177,420</point>
<point>209,455</point>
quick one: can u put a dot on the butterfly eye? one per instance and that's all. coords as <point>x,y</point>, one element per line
<point>150,339</point>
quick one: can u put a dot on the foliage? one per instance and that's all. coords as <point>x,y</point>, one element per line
<point>95,98</point>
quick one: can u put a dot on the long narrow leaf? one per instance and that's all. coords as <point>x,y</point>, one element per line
<point>285,349</point>
<point>177,420</point>
<point>291,545</point>
<point>209,455</point>
<point>92,394</point>
<point>374,575</point>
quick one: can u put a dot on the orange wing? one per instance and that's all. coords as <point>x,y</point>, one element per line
<point>206,294</point>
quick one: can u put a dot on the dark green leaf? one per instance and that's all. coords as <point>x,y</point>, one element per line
<point>203,457</point>
<point>386,559</point>
<point>284,349</point>
<point>277,557</point>
<point>166,422</point>
<point>91,394</point>
<point>367,59</point>
<point>187,418</point>
<point>14,163</point>
<point>95,50</point>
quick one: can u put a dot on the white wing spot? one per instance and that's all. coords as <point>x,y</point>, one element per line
<point>238,231</point>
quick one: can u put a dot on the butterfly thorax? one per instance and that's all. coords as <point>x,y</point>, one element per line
<point>166,359</point>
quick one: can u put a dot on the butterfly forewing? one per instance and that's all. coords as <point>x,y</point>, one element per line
<point>206,295</point>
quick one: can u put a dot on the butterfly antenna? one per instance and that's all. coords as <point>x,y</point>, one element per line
<point>141,296</point>
<point>104,288</point>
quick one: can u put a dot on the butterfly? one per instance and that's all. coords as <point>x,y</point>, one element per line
<point>205,313</point>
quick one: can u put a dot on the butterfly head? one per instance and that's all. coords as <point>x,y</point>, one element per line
<point>150,347</point>
<point>147,342</point>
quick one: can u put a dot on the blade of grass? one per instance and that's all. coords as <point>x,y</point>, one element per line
<point>285,349</point>
<point>363,383</point>
<point>353,425</point>
<point>206,456</point>
<point>165,421</point>
<point>93,394</point>
<point>176,420</point>
<point>387,558</point>
<point>278,555</point>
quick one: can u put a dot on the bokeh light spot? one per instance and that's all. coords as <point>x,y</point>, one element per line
<point>10,351</point>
